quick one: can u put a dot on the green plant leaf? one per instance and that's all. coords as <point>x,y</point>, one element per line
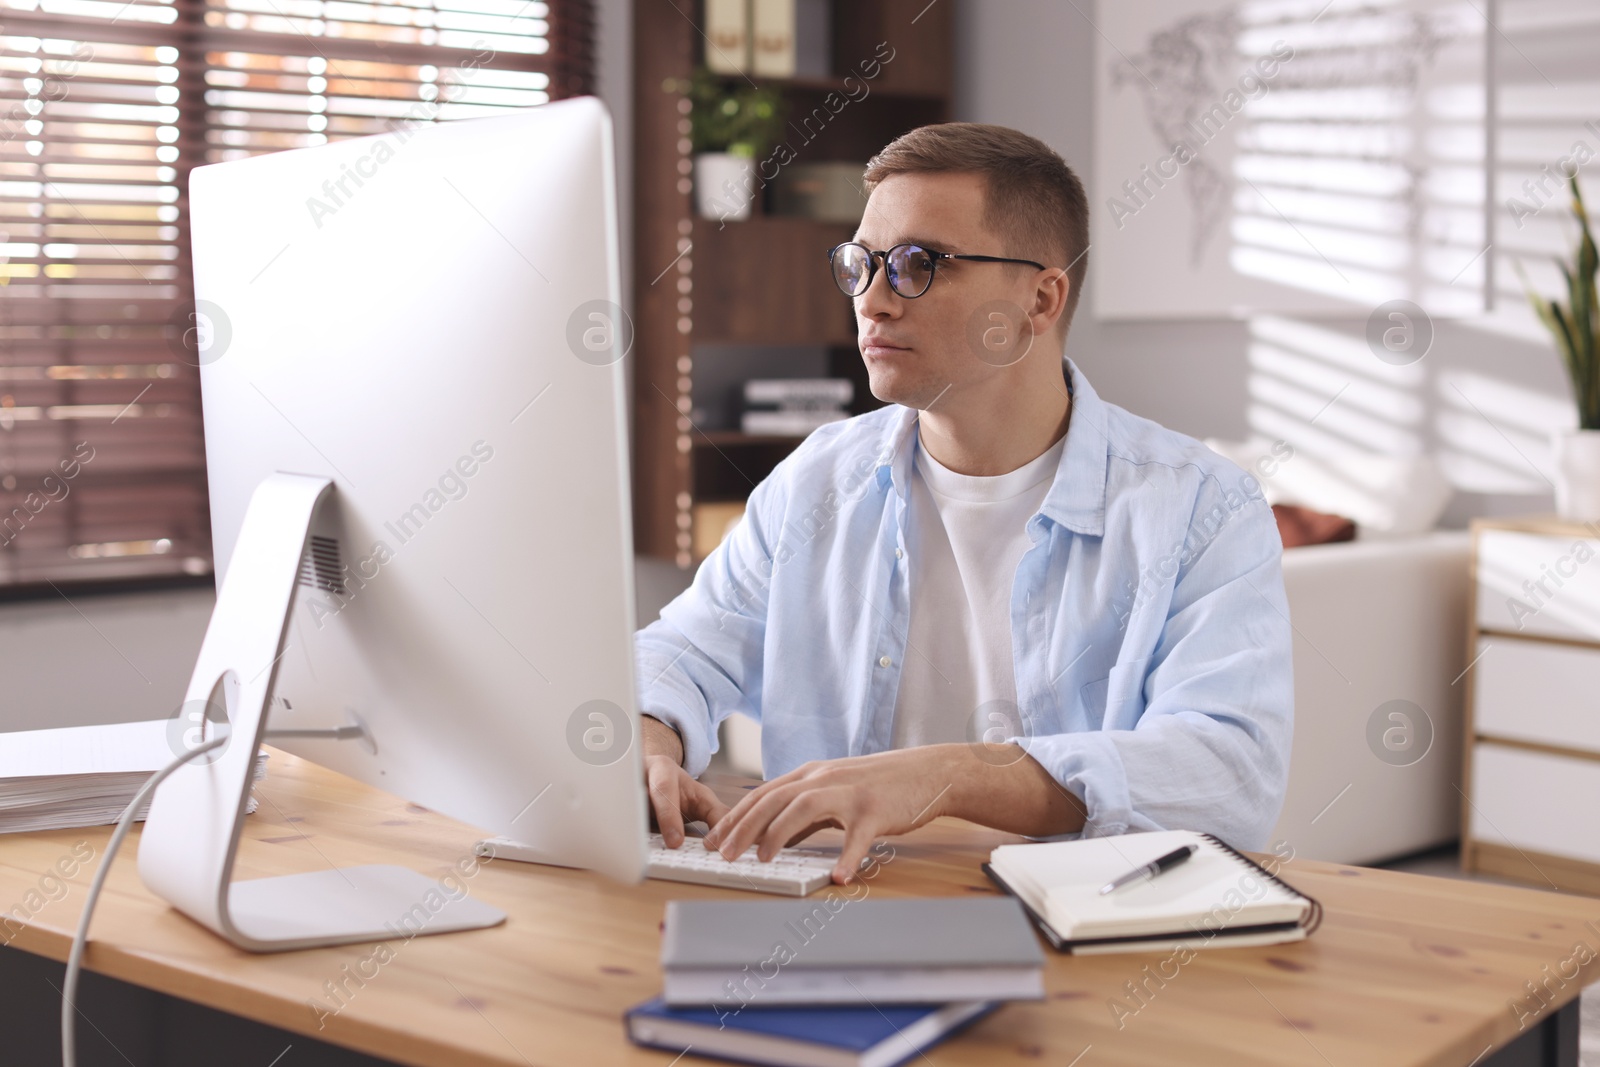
<point>1575,325</point>
<point>1547,310</point>
<point>728,116</point>
<point>1549,313</point>
<point>1585,318</point>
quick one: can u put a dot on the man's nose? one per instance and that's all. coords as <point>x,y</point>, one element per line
<point>880,300</point>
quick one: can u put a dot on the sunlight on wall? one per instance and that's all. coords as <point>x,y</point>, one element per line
<point>1540,125</point>
<point>1494,435</point>
<point>1391,197</point>
<point>1361,175</point>
<point>1319,387</point>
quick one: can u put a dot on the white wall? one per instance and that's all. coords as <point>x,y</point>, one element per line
<point>1029,64</point>
<point>98,659</point>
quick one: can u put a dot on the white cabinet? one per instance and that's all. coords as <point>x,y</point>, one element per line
<point>1538,691</point>
<point>1540,802</point>
<point>1539,584</point>
<point>1531,803</point>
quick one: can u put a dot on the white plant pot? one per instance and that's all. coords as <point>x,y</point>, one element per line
<point>1577,455</point>
<point>724,185</point>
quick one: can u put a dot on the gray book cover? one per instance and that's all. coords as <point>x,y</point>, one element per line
<point>833,932</point>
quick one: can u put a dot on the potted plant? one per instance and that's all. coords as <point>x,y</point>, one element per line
<point>732,125</point>
<point>1574,327</point>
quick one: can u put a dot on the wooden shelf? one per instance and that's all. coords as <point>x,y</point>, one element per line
<point>764,280</point>
<point>823,86</point>
<point>758,282</point>
<point>740,439</point>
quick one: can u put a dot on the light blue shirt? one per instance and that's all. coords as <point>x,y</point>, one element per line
<point>1150,633</point>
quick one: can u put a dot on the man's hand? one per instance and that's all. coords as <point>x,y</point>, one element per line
<point>894,793</point>
<point>866,796</point>
<point>673,793</point>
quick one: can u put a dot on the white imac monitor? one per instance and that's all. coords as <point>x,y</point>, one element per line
<point>416,440</point>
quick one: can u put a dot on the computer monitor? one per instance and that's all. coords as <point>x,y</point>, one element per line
<point>416,441</point>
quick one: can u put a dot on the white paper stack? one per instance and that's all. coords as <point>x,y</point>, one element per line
<point>82,775</point>
<point>801,404</point>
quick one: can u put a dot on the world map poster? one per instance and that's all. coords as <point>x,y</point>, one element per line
<point>1289,156</point>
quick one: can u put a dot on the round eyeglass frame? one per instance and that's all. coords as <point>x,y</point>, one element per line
<point>935,258</point>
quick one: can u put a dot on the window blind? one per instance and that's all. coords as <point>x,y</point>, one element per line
<point>105,106</point>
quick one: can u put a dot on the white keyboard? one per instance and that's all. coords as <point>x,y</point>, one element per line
<point>793,872</point>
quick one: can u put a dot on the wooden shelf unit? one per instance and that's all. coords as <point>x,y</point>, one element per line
<point>758,282</point>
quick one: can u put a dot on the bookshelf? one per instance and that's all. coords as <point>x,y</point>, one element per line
<point>705,288</point>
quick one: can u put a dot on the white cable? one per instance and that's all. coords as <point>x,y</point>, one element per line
<point>69,987</point>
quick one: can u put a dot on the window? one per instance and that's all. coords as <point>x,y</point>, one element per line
<point>105,106</point>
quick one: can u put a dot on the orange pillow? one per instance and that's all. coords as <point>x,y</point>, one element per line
<point>1301,526</point>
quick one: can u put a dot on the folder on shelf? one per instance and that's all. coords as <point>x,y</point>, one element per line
<point>728,36</point>
<point>772,38</point>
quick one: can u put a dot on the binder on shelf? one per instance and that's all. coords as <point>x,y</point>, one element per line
<point>728,36</point>
<point>813,38</point>
<point>772,38</point>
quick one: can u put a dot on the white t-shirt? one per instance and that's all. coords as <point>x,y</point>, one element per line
<point>964,538</point>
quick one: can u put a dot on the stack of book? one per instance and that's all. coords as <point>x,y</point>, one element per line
<point>794,406</point>
<point>834,981</point>
<point>84,775</point>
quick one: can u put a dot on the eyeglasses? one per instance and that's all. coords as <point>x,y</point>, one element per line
<point>910,267</point>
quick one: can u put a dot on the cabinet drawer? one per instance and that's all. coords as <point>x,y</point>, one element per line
<point>1511,566</point>
<point>1536,801</point>
<point>1533,691</point>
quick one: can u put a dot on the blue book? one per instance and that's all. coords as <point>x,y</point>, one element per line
<point>803,1037</point>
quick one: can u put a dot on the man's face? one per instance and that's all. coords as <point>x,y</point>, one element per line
<point>918,349</point>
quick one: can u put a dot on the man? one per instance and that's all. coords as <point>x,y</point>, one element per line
<point>999,597</point>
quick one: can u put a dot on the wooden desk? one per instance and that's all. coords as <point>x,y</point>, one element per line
<point>1405,970</point>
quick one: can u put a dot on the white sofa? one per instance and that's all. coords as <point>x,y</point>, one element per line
<point>1376,621</point>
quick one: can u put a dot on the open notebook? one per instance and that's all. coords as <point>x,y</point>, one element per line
<point>1219,897</point>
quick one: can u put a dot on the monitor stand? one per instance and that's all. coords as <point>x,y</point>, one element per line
<point>191,837</point>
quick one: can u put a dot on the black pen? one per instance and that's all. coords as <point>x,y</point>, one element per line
<point>1151,869</point>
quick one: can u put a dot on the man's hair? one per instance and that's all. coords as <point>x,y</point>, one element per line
<point>1034,202</point>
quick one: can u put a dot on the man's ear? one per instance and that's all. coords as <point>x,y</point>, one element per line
<point>1049,301</point>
